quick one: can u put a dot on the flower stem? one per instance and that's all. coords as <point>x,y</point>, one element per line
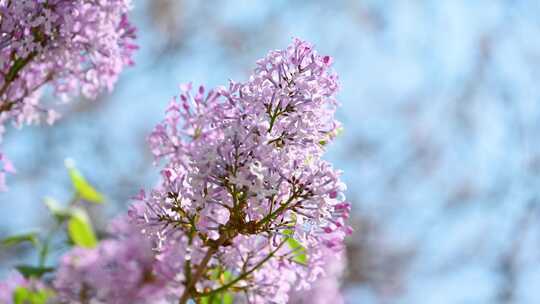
<point>199,272</point>
<point>245,274</point>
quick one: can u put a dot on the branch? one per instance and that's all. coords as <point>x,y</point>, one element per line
<point>245,274</point>
<point>200,270</point>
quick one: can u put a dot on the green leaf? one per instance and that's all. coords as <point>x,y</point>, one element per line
<point>223,297</point>
<point>15,68</point>
<point>300,255</point>
<point>226,277</point>
<point>80,229</point>
<point>31,237</point>
<point>22,295</point>
<point>227,298</point>
<point>60,213</point>
<point>205,300</point>
<point>86,191</point>
<point>339,131</point>
<point>331,136</point>
<point>31,271</point>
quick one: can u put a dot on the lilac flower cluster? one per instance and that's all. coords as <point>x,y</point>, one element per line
<point>246,206</point>
<point>326,289</point>
<point>77,46</point>
<point>244,189</point>
<point>119,270</point>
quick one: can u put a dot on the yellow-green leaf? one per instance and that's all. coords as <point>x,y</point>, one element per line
<point>59,212</point>
<point>224,297</point>
<point>299,251</point>
<point>30,237</point>
<point>85,191</point>
<point>221,298</point>
<point>23,295</point>
<point>80,230</point>
<point>227,298</point>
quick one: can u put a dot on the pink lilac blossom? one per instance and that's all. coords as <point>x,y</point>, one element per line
<point>326,289</point>
<point>243,174</point>
<point>76,46</point>
<point>119,271</point>
<point>5,167</point>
